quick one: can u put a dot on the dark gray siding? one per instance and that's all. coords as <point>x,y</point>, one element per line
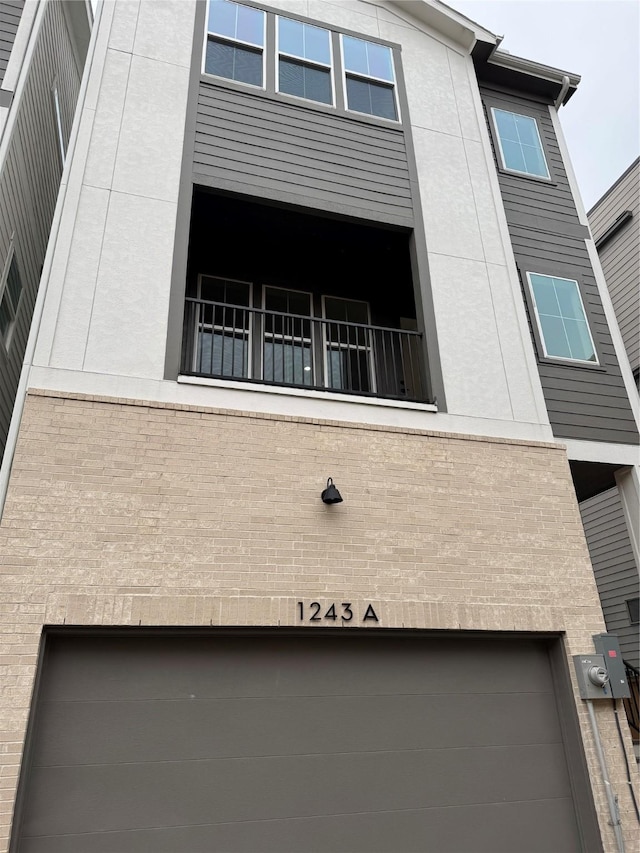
<point>583,402</point>
<point>265,147</point>
<point>614,567</point>
<point>29,183</point>
<point>10,12</point>
<point>298,742</point>
<point>620,256</point>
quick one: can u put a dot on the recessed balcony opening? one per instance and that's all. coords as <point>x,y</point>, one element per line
<point>281,297</point>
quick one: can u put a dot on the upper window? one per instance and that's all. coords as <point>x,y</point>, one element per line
<point>520,144</point>
<point>235,42</point>
<point>304,61</point>
<point>10,292</point>
<point>561,318</point>
<point>369,78</point>
<point>291,57</point>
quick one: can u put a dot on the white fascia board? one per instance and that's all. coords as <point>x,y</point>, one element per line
<point>447,21</point>
<point>628,482</point>
<point>602,451</point>
<point>534,69</point>
<point>20,45</point>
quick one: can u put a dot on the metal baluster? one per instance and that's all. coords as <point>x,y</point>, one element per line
<point>283,327</point>
<point>411,389</point>
<point>296,352</point>
<point>380,362</point>
<point>402,364</point>
<point>394,361</point>
<point>195,315</point>
<point>212,334</point>
<point>264,347</point>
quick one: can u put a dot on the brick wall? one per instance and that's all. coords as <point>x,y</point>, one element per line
<point>126,513</point>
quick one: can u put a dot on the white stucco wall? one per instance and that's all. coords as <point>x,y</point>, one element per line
<point>108,292</point>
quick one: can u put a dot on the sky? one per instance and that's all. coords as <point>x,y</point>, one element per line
<point>600,41</point>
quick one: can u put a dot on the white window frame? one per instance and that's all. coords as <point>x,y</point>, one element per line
<point>287,338</point>
<point>393,85</point>
<point>211,328</point>
<point>506,168</point>
<point>4,292</point>
<point>255,47</point>
<point>539,323</point>
<point>336,68</point>
<point>307,62</point>
<point>57,114</point>
<point>368,348</point>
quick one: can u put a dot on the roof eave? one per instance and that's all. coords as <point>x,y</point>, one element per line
<point>448,22</point>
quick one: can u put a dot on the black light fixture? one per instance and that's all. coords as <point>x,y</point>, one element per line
<point>331,495</point>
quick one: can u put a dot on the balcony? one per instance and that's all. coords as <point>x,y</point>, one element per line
<point>284,297</point>
<point>234,341</point>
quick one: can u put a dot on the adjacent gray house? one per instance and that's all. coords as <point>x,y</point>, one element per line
<point>298,242</point>
<point>43,46</point>
<point>615,223</point>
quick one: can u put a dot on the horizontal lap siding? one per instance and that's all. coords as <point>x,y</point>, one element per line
<point>10,13</point>
<point>29,183</point>
<point>614,566</point>
<point>264,147</point>
<point>583,403</point>
<point>620,256</point>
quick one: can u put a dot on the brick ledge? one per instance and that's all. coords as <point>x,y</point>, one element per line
<point>267,416</point>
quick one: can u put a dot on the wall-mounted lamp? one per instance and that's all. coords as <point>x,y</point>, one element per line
<point>331,495</point>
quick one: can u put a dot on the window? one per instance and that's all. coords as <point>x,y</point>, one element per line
<point>369,78</point>
<point>348,344</point>
<point>561,318</point>
<point>311,62</point>
<point>304,61</point>
<point>223,326</point>
<point>633,606</point>
<point>287,337</point>
<point>10,293</point>
<point>235,42</point>
<point>520,144</point>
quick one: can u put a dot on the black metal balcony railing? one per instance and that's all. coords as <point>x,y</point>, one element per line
<point>631,705</point>
<point>236,342</point>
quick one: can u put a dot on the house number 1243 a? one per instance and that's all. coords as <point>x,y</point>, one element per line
<point>342,612</point>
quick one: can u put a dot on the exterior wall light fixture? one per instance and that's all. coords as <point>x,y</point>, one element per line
<point>331,495</point>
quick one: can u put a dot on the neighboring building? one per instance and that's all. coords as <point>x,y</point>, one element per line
<point>309,241</point>
<point>615,224</point>
<point>42,52</point>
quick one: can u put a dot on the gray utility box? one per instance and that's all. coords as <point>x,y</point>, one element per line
<point>593,678</point>
<point>608,646</point>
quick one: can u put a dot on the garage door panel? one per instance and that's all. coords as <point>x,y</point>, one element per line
<point>197,792</point>
<point>296,742</point>
<point>107,668</point>
<point>500,828</point>
<point>114,732</point>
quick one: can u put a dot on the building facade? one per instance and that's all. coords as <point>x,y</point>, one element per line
<point>297,242</point>
<point>614,553</point>
<point>42,54</point>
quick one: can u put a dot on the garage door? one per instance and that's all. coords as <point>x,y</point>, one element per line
<point>295,742</point>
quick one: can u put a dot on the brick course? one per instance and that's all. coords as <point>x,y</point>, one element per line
<point>128,513</point>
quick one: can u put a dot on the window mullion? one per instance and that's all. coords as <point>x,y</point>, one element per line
<point>338,71</point>
<point>271,54</point>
